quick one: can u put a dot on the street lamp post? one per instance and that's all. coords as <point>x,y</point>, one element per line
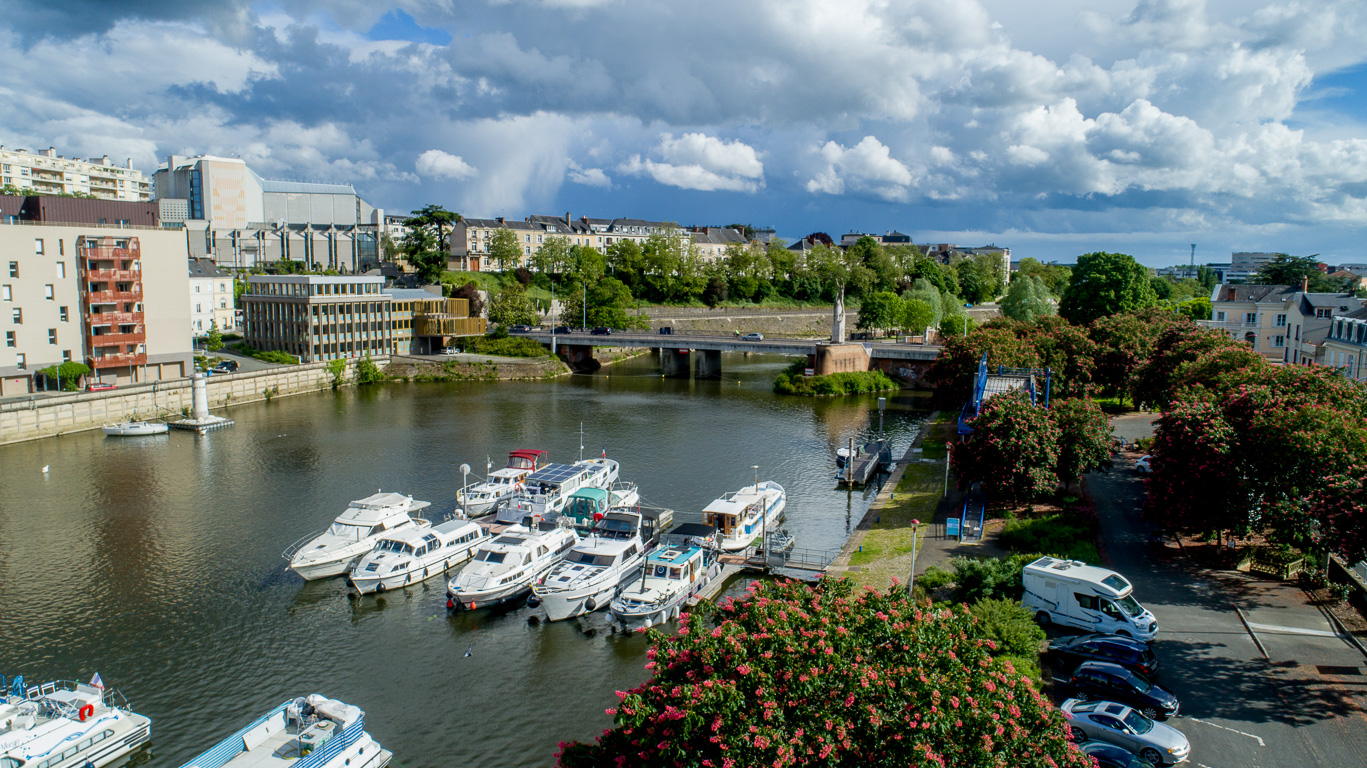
<point>911,578</point>
<point>552,317</point>
<point>464,483</point>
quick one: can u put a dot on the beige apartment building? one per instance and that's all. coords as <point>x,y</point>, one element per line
<point>47,173</point>
<point>1345,345</point>
<point>212,299</point>
<point>470,238</point>
<point>112,298</point>
<point>1283,323</point>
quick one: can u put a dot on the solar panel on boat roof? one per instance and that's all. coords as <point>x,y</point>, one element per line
<point>554,474</point>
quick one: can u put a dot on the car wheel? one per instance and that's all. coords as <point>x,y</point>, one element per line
<point>1151,754</point>
<point>1081,696</point>
<point>1042,618</point>
<point>1076,735</point>
<point>1152,714</point>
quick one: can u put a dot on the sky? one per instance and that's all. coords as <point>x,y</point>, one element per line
<point>1054,128</point>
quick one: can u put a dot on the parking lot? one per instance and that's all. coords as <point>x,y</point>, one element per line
<point>1304,703</point>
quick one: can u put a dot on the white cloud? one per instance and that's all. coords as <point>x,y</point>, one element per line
<point>442,165</point>
<point>589,177</point>
<point>701,162</point>
<point>867,166</point>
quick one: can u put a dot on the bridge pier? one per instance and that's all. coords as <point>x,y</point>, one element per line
<point>674,363</point>
<point>579,357</point>
<point>708,363</point>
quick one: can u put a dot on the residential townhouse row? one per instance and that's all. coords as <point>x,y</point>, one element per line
<point>1291,325</point>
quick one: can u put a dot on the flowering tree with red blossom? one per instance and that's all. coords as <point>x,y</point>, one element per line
<point>1084,438</point>
<point>1340,506</point>
<point>797,675</point>
<point>1013,452</point>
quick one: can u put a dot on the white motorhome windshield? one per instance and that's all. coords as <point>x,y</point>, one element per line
<point>1130,606</point>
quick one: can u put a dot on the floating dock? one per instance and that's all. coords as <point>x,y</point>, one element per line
<point>864,464</point>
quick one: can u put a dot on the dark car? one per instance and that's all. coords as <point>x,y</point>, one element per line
<point>1111,756</point>
<point>563,329</point>
<point>1068,652</point>
<point>226,366</point>
<point>1112,682</point>
<point>601,331</point>
<point>520,329</point>
<point>667,329</point>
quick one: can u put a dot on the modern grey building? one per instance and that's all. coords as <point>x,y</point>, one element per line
<point>318,317</point>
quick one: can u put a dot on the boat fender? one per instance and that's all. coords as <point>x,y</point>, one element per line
<point>590,605</point>
<point>86,711</point>
<point>450,603</point>
<point>533,601</point>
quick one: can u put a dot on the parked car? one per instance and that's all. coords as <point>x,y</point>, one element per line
<point>1112,682</point>
<point>752,337</point>
<point>667,329</point>
<point>1111,756</point>
<point>563,329</point>
<point>450,351</point>
<point>225,366</point>
<point>1141,465</point>
<point>98,386</point>
<point>520,329</point>
<point>601,331</point>
<point>1069,652</point>
<point>1122,726</point>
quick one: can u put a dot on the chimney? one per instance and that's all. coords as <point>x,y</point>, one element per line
<point>49,152</point>
<point>1305,284</point>
<point>567,218</point>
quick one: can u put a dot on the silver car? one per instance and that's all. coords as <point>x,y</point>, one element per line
<point>1123,726</point>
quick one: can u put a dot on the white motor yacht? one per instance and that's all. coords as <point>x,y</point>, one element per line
<point>307,732</point>
<point>65,724</point>
<point>741,516</point>
<point>676,570</point>
<point>594,570</point>
<point>505,567</point>
<point>353,534</point>
<point>412,554</point>
<point>481,499</point>
<point>547,490</point>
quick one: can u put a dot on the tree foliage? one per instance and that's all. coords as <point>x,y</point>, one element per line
<point>504,249</point>
<point>470,292</point>
<point>510,306</point>
<point>1105,284</point>
<point>69,373</point>
<point>214,342</point>
<point>981,278</point>
<point>426,241</point>
<point>1291,270</point>
<point>1014,450</point>
<point>1084,438</point>
<point>793,675</point>
<point>1027,299</point>
<point>1186,355</point>
<point>1054,276</point>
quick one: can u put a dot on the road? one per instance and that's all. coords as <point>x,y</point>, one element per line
<point>1304,705</point>
<point>773,345</point>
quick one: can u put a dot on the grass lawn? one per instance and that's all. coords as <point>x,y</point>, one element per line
<point>1114,405</point>
<point>887,545</point>
<point>938,435</point>
<point>486,281</point>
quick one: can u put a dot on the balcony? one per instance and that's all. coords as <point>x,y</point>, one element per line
<point>115,318</point>
<point>118,361</point>
<point>1230,325</point>
<point>93,341</point>
<point>112,275</point>
<point>113,297</point>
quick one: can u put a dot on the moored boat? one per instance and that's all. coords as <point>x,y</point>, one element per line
<point>741,516</point>
<point>681,566</point>
<point>595,569</point>
<point>354,533</point>
<point>64,724</point>
<point>481,499</point>
<point>412,554</point>
<point>307,732</point>
<point>136,428</point>
<point>546,491</point>
<point>505,567</point>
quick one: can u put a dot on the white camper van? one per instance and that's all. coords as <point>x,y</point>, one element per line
<point>1074,594</point>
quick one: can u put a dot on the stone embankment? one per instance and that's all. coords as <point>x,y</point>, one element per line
<point>80,411</point>
<point>814,322</point>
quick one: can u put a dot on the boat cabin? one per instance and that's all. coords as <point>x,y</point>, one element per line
<point>586,506</point>
<point>618,525</point>
<point>675,563</point>
<point>735,514</point>
<point>375,514</point>
<point>527,459</point>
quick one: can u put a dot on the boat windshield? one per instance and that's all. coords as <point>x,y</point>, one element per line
<point>1130,606</point>
<point>491,557</point>
<point>615,529</point>
<point>1138,723</point>
<point>662,571</point>
<point>586,558</point>
<point>389,545</point>
<point>350,531</point>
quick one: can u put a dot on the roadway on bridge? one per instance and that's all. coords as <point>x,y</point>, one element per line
<point>721,343</point>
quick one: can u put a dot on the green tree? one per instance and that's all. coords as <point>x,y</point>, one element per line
<point>1206,277</point>
<point>880,310</point>
<point>1053,275</point>
<point>1084,438</point>
<point>980,278</point>
<point>608,302</point>
<point>1291,270</point>
<point>626,262</point>
<point>437,221</point>
<point>1026,299</point>
<point>389,250</point>
<point>510,306</point>
<point>1013,451</point>
<point>797,675</point>
<point>1198,308</point>
<point>1125,342</point>
<point>420,249</point>
<point>470,292</point>
<point>924,290</point>
<point>554,256</point>
<point>1105,284</point>
<point>503,248</point>
<point>918,315</point>
<point>587,265</point>
<point>214,340</point>
<point>68,374</point>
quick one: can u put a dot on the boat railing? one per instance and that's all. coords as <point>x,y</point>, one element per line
<point>218,755</point>
<point>294,548</point>
<point>334,746</point>
<point>109,697</point>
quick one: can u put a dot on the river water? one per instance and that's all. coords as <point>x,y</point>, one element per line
<point>156,561</point>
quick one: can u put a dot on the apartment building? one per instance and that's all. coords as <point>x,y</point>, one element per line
<point>711,243</point>
<point>240,220</point>
<point>318,317</point>
<point>212,298</point>
<point>112,298</point>
<point>1245,265</point>
<point>48,173</point>
<point>471,238</point>
<point>1345,345</point>
<point>1282,323</point>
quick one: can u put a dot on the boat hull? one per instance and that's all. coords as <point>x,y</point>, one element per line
<point>135,430</point>
<point>325,569</point>
<point>568,603</point>
<point>665,610</point>
<point>471,601</point>
<point>373,584</point>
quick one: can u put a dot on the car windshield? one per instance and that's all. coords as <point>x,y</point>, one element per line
<point>1130,606</point>
<point>1138,723</point>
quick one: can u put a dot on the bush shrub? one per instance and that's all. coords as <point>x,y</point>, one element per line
<point>791,381</point>
<point>367,372</point>
<point>987,579</point>
<point>270,355</point>
<point>1010,626</point>
<point>505,345</point>
<point>1062,535</point>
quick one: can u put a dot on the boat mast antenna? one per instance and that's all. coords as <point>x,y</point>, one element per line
<point>581,441</point>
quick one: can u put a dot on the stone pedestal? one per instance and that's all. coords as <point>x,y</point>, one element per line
<point>674,363</point>
<point>708,364</point>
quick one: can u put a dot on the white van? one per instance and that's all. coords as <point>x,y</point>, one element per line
<point>1074,594</point>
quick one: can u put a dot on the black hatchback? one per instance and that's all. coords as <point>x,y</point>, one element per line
<point>1112,682</point>
<point>1068,652</point>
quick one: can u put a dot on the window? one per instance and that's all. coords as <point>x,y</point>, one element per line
<point>52,336</point>
<point>1220,317</point>
<point>61,270</point>
<point>1320,313</point>
<point>1250,317</point>
<point>10,341</point>
<point>1086,601</point>
<point>1281,321</point>
<point>38,245</point>
<point>196,287</point>
<point>14,269</point>
<point>1278,341</point>
<point>48,292</point>
<point>62,314</point>
<point>61,247</point>
<point>18,315</point>
<point>6,293</point>
<point>197,309</point>
<point>66,355</point>
<point>21,361</point>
